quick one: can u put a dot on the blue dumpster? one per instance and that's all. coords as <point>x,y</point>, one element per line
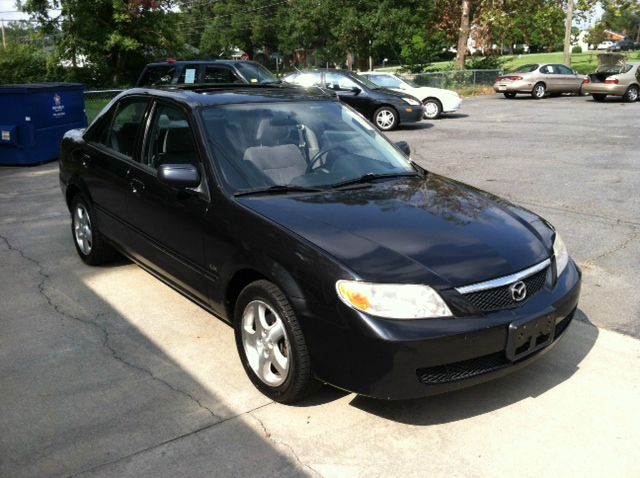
<point>33,119</point>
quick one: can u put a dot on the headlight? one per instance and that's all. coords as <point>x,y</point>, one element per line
<point>411,101</point>
<point>393,301</point>
<point>561,254</point>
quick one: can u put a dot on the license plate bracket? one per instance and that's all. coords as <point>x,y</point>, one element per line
<point>502,87</point>
<point>527,336</point>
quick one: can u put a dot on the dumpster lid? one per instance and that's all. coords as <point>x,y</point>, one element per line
<point>23,88</point>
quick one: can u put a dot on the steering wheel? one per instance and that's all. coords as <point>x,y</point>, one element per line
<point>322,152</point>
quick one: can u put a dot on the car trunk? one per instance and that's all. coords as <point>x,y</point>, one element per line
<point>600,77</point>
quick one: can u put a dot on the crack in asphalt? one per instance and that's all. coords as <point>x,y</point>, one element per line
<point>96,325</point>
<point>623,245</point>
<point>268,435</point>
<point>580,213</point>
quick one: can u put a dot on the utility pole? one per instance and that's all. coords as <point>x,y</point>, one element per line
<point>4,40</point>
<point>567,34</point>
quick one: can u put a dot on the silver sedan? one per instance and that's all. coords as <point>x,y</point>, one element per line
<point>622,80</point>
<point>539,79</point>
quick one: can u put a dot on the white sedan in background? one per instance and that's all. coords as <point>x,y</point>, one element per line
<point>435,100</point>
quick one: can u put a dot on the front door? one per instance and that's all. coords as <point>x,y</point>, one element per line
<point>167,223</point>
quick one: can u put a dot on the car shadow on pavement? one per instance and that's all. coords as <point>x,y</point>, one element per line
<point>548,371</point>
<point>447,116</point>
<point>109,372</point>
<point>423,124</point>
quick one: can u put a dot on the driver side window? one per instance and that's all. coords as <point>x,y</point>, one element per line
<point>339,82</point>
<point>170,140</point>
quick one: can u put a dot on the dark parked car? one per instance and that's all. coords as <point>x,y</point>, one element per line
<point>334,256</point>
<point>171,72</point>
<point>622,45</point>
<point>383,107</point>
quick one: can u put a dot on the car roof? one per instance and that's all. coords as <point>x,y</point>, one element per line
<point>208,95</point>
<point>199,62</point>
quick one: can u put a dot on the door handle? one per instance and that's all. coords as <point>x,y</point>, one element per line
<point>137,186</point>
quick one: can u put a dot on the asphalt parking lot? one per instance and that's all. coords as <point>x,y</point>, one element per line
<point>108,372</point>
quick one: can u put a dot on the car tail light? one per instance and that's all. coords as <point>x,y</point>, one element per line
<point>512,78</point>
<point>586,80</point>
<point>612,81</point>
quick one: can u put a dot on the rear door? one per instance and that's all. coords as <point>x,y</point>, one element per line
<point>167,223</point>
<point>551,78</point>
<point>112,149</point>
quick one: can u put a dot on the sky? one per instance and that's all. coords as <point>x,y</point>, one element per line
<point>8,11</point>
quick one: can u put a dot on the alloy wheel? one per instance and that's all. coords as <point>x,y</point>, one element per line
<point>82,229</point>
<point>385,119</point>
<point>265,343</point>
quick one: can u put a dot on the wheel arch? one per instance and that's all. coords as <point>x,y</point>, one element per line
<point>276,274</point>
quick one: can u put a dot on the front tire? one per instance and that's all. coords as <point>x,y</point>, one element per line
<point>539,90</point>
<point>385,118</point>
<point>432,108</point>
<point>91,245</point>
<point>631,94</point>
<point>270,343</point>
<point>598,97</point>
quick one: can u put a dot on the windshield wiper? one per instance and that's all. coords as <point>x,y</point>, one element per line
<point>278,189</point>
<point>367,178</point>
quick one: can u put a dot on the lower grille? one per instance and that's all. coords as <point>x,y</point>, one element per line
<point>500,298</point>
<point>466,369</point>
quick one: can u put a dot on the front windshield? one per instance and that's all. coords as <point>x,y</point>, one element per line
<point>525,68</point>
<point>256,73</point>
<point>368,83</point>
<point>311,144</point>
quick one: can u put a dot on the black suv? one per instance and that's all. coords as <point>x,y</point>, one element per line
<point>335,257</point>
<point>384,108</point>
<point>173,72</point>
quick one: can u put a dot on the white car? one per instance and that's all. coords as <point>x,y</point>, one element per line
<point>605,45</point>
<point>435,100</point>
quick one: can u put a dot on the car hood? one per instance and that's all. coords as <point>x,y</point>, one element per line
<point>426,91</point>
<point>427,230</point>
<point>396,94</point>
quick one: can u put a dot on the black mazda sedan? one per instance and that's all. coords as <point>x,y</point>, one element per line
<point>335,258</point>
<point>383,107</point>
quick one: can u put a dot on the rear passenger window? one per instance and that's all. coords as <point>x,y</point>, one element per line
<point>219,74</point>
<point>121,136</point>
<point>170,140</point>
<point>157,75</point>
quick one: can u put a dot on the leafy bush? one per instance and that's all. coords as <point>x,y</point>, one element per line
<point>22,64</point>
<point>576,49</point>
<point>485,62</point>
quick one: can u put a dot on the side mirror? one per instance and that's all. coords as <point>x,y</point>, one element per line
<point>404,147</point>
<point>355,90</point>
<point>179,175</point>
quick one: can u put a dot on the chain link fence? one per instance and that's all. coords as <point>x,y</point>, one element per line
<point>457,79</point>
<point>95,100</point>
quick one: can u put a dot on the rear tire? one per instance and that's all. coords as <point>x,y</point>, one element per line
<point>539,90</point>
<point>509,95</point>
<point>631,94</point>
<point>271,345</point>
<point>91,245</point>
<point>598,96</point>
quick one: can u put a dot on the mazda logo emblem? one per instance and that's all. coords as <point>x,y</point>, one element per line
<point>518,291</point>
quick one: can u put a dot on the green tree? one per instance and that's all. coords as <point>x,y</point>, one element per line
<point>115,37</point>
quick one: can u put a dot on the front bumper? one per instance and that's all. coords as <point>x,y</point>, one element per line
<point>401,359</point>
<point>451,104</point>
<point>408,113</point>
<point>604,89</point>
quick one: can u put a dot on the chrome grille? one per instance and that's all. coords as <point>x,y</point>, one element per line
<point>500,297</point>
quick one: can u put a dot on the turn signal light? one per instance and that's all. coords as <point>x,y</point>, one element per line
<point>613,81</point>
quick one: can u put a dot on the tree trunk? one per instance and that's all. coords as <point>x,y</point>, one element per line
<point>463,35</point>
<point>567,34</point>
